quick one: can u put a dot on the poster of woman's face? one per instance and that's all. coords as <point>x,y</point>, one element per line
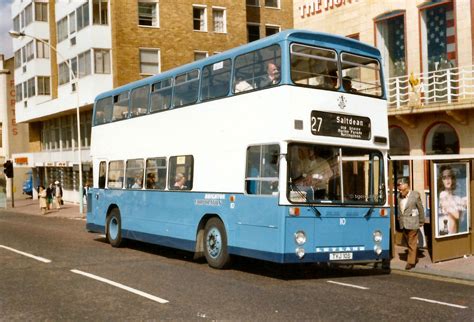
<point>451,199</point>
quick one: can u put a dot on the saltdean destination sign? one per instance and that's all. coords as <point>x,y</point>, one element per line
<point>340,125</point>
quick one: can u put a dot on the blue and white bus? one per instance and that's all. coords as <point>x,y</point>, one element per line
<point>275,150</point>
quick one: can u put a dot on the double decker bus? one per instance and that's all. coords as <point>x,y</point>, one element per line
<point>275,150</point>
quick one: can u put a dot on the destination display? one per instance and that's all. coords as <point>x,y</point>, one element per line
<point>340,125</point>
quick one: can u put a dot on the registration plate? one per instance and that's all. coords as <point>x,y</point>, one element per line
<point>339,256</point>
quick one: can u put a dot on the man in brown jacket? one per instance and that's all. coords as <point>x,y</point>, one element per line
<point>411,217</point>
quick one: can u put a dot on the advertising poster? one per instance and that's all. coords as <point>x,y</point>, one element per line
<point>451,211</point>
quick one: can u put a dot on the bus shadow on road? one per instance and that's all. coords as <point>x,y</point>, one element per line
<point>263,268</point>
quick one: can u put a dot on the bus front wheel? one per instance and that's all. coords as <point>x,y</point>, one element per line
<point>114,228</point>
<point>215,244</point>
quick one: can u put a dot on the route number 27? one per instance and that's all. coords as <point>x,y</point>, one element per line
<point>316,123</point>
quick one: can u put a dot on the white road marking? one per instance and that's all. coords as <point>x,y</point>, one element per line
<point>124,287</point>
<point>41,259</point>
<point>349,285</point>
<point>438,302</point>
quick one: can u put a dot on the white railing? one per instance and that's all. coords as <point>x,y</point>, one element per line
<point>441,86</point>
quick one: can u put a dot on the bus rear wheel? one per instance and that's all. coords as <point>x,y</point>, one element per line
<point>114,228</point>
<point>215,244</point>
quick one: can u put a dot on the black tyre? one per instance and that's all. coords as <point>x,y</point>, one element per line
<point>114,228</point>
<point>215,244</point>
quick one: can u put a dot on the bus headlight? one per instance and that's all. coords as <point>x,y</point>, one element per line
<point>300,237</point>
<point>377,236</point>
<point>378,249</point>
<point>300,252</point>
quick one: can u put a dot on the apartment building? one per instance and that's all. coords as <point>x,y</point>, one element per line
<point>428,49</point>
<point>101,44</point>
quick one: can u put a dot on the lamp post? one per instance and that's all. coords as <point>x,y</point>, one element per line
<point>17,34</point>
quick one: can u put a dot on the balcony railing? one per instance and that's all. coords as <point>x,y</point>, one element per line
<point>441,86</point>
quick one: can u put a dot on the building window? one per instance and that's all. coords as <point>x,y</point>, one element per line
<point>149,61</point>
<point>148,13</point>
<point>271,30</point>
<point>254,3</point>
<point>82,16</point>
<point>100,12</point>
<point>73,63</point>
<point>391,42</point>
<point>31,87</point>
<point>199,18</point>
<point>41,11</point>
<point>72,22</point>
<point>84,60</point>
<point>63,72</point>
<point>43,85</point>
<point>272,3</point>
<point>18,93</point>
<point>18,58</point>
<point>198,55</point>
<point>28,52</point>
<point>253,32</point>
<point>42,50</point>
<point>62,29</point>
<point>442,139</point>
<point>102,61</point>
<point>16,23</point>
<point>219,20</point>
<point>27,16</point>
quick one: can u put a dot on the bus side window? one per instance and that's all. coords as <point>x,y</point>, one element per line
<point>160,97</point>
<point>103,111</point>
<point>186,88</point>
<point>115,178</point>
<point>180,176</point>
<point>155,173</point>
<point>262,169</point>
<point>215,80</point>
<point>134,174</point>
<point>120,106</point>
<point>102,169</point>
<point>139,101</point>
<point>252,69</point>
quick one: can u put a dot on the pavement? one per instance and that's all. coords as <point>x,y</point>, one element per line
<point>460,268</point>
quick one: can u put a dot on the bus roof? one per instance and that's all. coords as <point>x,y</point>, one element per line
<point>336,42</point>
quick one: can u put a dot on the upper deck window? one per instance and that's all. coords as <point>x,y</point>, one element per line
<point>160,98</point>
<point>315,67</point>
<point>139,101</point>
<point>103,111</point>
<point>186,88</point>
<point>216,80</point>
<point>257,69</point>
<point>120,106</point>
<point>361,75</point>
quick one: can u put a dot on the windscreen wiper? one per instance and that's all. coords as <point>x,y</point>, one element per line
<point>302,195</point>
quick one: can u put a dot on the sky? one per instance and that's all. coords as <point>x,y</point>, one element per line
<point>5,26</point>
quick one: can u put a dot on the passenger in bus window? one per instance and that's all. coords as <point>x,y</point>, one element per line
<point>179,182</point>
<point>137,184</point>
<point>331,79</point>
<point>150,181</point>
<point>347,84</point>
<point>242,85</point>
<point>272,77</point>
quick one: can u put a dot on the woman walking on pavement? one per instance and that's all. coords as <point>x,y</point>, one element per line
<point>43,204</point>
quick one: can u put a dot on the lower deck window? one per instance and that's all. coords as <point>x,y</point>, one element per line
<point>262,169</point>
<point>115,179</point>
<point>181,172</point>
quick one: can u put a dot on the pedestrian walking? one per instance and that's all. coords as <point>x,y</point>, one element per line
<point>411,217</point>
<point>49,195</point>
<point>42,196</point>
<point>58,194</point>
